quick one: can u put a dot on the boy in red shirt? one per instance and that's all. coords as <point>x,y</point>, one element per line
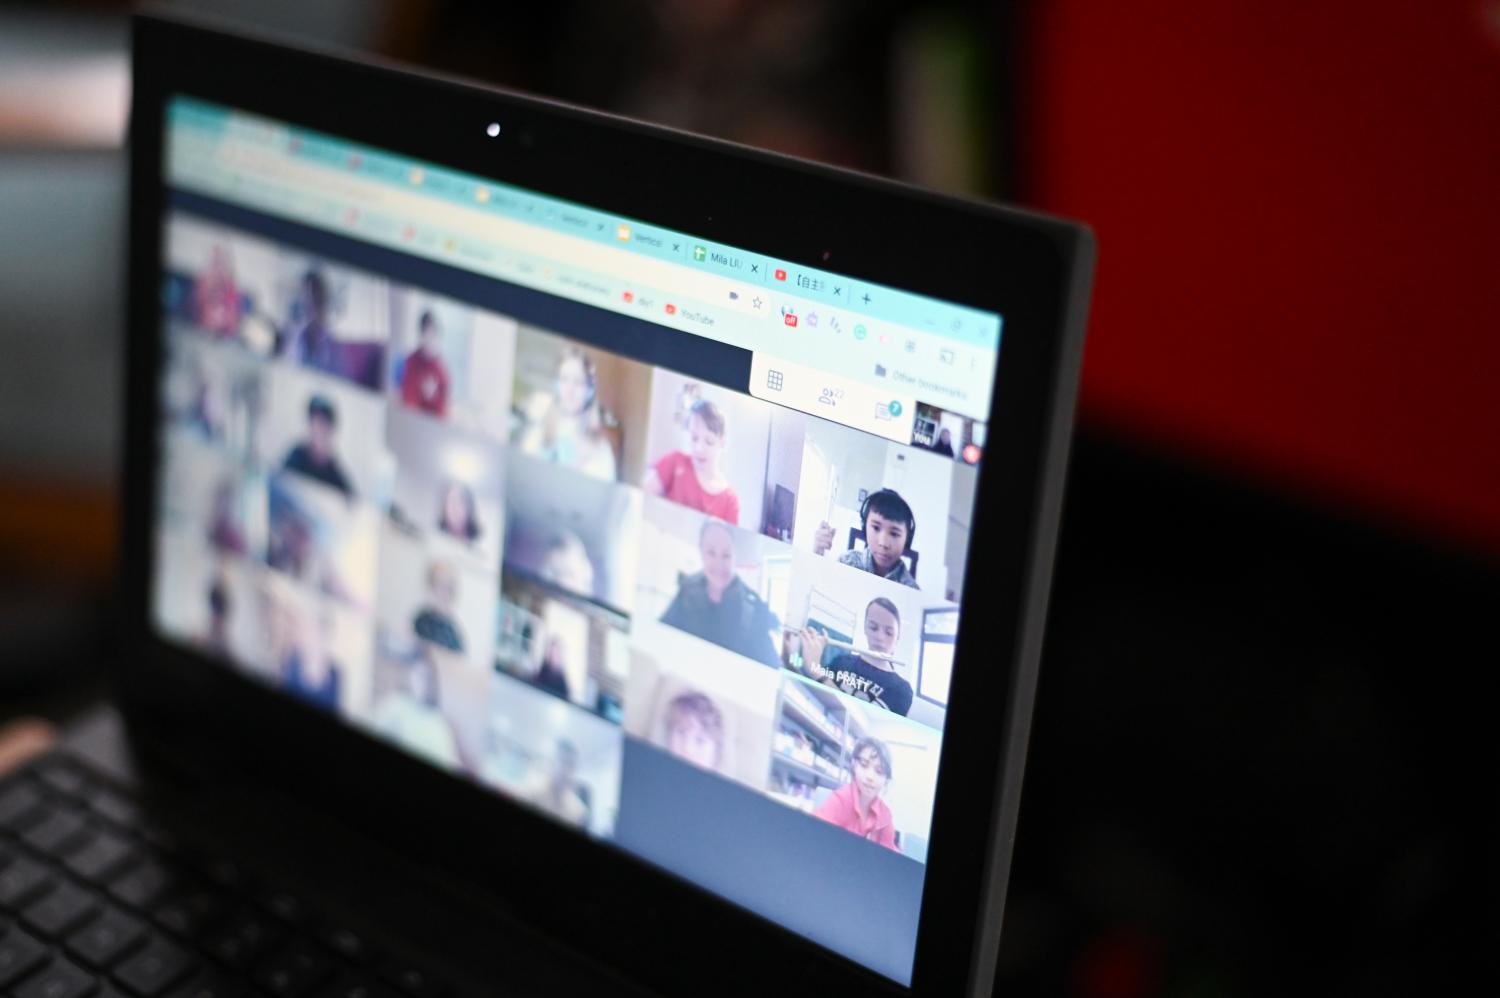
<point>424,377</point>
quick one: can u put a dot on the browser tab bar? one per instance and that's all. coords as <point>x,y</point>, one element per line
<point>715,290</point>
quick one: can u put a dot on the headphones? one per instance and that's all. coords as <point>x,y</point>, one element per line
<point>911,520</point>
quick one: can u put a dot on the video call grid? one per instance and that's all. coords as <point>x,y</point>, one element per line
<point>337,428</point>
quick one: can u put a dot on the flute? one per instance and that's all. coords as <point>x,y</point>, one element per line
<point>861,652</point>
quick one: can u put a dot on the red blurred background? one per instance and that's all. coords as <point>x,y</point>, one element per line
<point>1299,231</point>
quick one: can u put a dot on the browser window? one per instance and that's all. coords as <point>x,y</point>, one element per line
<point>660,537</point>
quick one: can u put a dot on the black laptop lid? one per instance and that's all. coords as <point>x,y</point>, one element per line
<point>654,519</point>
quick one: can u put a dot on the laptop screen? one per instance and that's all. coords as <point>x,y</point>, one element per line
<point>660,537</point>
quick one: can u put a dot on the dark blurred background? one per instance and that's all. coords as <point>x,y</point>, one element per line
<point>1263,759</point>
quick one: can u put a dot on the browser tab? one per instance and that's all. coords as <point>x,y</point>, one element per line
<point>651,239</point>
<point>578,221</point>
<point>723,259</point>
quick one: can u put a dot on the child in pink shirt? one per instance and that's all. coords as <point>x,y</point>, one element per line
<point>694,477</point>
<point>856,806</point>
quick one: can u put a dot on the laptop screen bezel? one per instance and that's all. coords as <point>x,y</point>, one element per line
<point>1023,267</point>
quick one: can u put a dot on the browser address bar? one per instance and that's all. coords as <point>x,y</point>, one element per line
<point>412,207</point>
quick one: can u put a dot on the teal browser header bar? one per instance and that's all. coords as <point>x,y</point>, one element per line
<point>947,320</point>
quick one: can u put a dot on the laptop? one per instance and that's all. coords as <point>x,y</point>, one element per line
<point>561,556</point>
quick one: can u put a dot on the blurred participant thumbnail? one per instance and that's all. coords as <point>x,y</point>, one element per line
<point>430,599</point>
<point>424,377</point>
<point>220,281</point>
<point>448,482</point>
<point>316,455</point>
<point>693,728</point>
<point>573,649</point>
<point>432,703</point>
<point>333,320</point>
<point>411,714</point>
<point>225,530</point>
<point>552,674</point>
<point>713,581</point>
<point>712,715</point>
<point>325,431</point>
<point>578,407</point>
<point>433,621</point>
<point>451,361</point>
<point>220,610</point>
<point>557,790</point>
<point>203,598</point>
<point>579,535</point>
<point>948,433</point>
<point>554,757</point>
<point>214,393</point>
<point>458,513</point>
<point>315,651</point>
<point>317,538</point>
<point>216,297</point>
<point>206,492</point>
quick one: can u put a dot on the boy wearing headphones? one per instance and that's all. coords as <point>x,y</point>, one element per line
<point>889,526</point>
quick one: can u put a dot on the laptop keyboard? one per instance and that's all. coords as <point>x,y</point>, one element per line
<point>96,900</point>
